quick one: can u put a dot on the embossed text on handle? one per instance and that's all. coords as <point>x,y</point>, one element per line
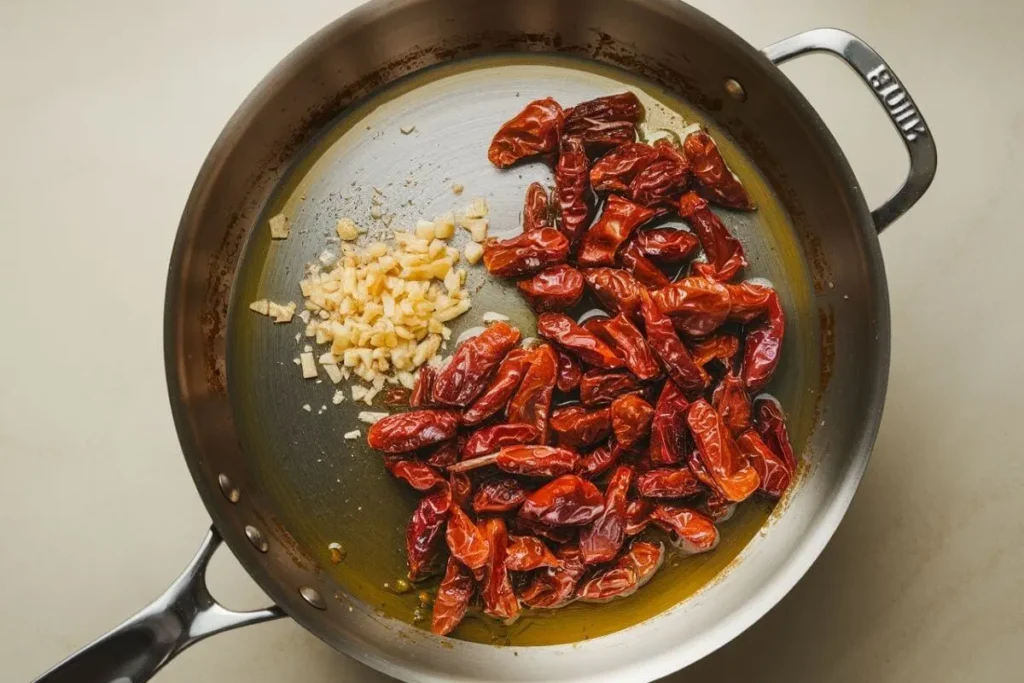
<point>896,101</point>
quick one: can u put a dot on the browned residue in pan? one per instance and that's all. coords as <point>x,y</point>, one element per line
<point>827,323</point>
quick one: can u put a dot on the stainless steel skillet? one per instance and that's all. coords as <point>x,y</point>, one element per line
<point>279,482</point>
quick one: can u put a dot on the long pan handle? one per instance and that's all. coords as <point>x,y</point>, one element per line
<point>893,97</point>
<point>134,651</point>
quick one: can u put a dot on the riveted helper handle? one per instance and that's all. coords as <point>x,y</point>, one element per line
<point>893,97</point>
<point>185,614</point>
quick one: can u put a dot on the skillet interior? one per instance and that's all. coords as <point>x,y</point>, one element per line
<point>327,489</point>
<point>285,121</point>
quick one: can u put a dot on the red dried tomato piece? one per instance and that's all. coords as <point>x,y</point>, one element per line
<point>452,600</point>
<point>617,290</point>
<point>716,180</point>
<point>526,253</point>
<point>467,374</point>
<point>498,495</point>
<point>531,403</point>
<point>775,475</point>
<point>424,532</point>
<point>564,331</point>
<point>506,380</point>
<point>618,221</point>
<point>601,540</point>
<point>571,188</point>
<point>692,531</point>
<point>615,170</point>
<point>553,587</point>
<point>697,304</point>
<point>734,476</point>
<point>536,208</point>
<point>725,257</point>
<point>535,130</point>
<point>407,432</point>
<point>553,289</point>
<point>568,500</point>
<point>631,420</point>
<point>600,387</point>
<point>526,553</point>
<point>495,437</point>
<point>629,573</point>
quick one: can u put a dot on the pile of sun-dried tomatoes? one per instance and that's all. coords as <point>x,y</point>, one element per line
<point>655,423</point>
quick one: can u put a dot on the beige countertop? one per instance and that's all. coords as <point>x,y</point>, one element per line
<point>107,110</point>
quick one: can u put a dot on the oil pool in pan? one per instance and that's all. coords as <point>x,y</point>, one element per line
<point>326,489</point>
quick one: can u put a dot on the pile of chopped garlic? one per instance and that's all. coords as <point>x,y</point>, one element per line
<point>383,309</point>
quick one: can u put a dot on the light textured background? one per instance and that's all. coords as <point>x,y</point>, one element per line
<point>107,110</point>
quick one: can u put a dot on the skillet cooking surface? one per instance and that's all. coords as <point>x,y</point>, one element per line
<point>323,488</point>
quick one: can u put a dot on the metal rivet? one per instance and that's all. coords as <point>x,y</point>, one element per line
<point>313,597</point>
<point>256,538</point>
<point>735,90</point>
<point>229,490</point>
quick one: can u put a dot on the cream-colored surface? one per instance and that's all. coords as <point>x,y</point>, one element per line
<point>106,112</point>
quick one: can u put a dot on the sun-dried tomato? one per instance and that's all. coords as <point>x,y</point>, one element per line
<point>697,304</point>
<point>601,540</point>
<point>576,427</point>
<point>531,404</point>
<point>470,368</point>
<point>716,180</point>
<point>495,437</point>
<point>423,534</point>
<point>452,600</point>
<point>725,257</point>
<point>504,384</point>
<point>569,372</point>
<point>526,553</point>
<point>536,208</point>
<point>618,221</point>
<point>535,130</point>
<point>525,254</point>
<point>631,420</point>
<point>732,402</point>
<point>601,387</point>
<point>568,500</point>
<point>411,431</point>
<point>763,347</point>
<point>735,478</point>
<point>572,187</point>
<point>617,290</point>
<point>553,289</point>
<point>615,170</point>
<point>567,334</point>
